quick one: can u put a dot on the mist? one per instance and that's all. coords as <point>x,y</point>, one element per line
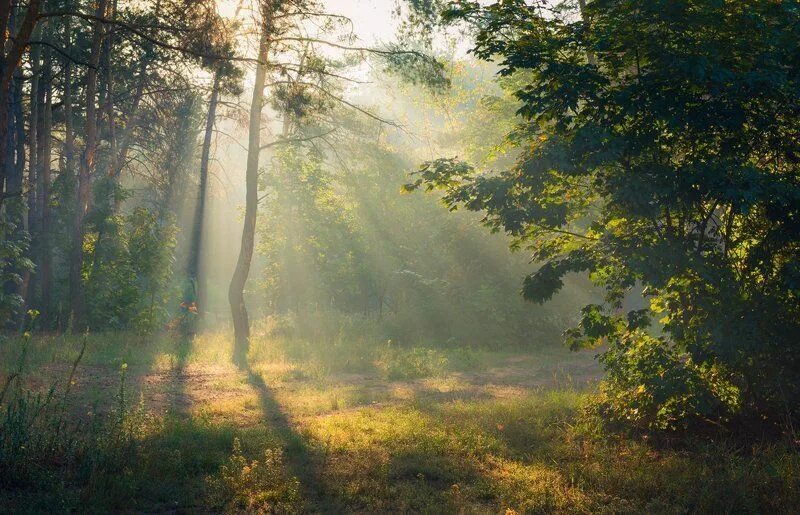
<point>399,256</point>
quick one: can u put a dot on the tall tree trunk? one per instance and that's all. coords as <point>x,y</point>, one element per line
<point>69,129</point>
<point>34,187</point>
<point>193,267</point>
<point>15,162</point>
<point>68,153</point>
<point>46,259</point>
<point>123,143</point>
<point>9,62</point>
<point>15,173</point>
<point>121,156</point>
<point>87,166</point>
<point>107,130</point>
<point>107,80</point>
<point>7,172</point>
<point>241,323</point>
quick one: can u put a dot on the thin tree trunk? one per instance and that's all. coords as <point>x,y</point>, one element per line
<point>193,267</point>
<point>241,323</point>
<point>68,161</point>
<point>46,258</point>
<point>7,170</point>
<point>87,166</point>
<point>130,124</point>
<point>69,129</point>
<point>15,162</point>
<point>107,130</point>
<point>123,143</point>
<point>15,172</point>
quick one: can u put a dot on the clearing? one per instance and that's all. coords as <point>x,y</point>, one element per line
<point>355,427</point>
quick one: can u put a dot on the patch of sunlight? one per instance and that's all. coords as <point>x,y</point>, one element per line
<point>275,371</point>
<point>240,410</point>
<point>212,346</point>
<point>165,362</point>
<point>403,391</point>
<point>396,428</point>
<point>304,400</point>
<point>446,384</point>
<point>533,488</point>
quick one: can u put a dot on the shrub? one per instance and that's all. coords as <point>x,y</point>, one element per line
<point>414,363</point>
<point>652,385</point>
<point>255,486</point>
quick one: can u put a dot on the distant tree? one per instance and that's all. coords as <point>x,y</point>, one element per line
<point>285,54</point>
<point>660,146</point>
<point>226,80</point>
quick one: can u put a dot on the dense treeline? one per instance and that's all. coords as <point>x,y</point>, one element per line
<point>113,113</point>
<point>98,93</point>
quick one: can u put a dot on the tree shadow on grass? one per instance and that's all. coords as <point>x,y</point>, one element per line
<point>302,460</point>
<point>178,403</point>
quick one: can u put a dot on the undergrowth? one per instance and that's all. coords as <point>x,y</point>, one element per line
<point>444,444</point>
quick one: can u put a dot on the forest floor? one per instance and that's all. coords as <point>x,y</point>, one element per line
<point>342,427</point>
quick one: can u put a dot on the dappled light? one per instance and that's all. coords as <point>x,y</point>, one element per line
<point>399,256</point>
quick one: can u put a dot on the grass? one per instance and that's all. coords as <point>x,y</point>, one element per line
<point>347,426</point>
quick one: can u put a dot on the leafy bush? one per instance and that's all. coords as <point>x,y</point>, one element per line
<point>13,248</point>
<point>414,363</point>
<point>128,275</point>
<point>254,486</point>
<point>652,385</point>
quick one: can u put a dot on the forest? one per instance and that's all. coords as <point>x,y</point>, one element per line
<point>400,256</point>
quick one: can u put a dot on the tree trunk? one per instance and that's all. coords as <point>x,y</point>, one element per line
<point>241,323</point>
<point>15,161</point>
<point>87,166</point>
<point>7,171</point>
<point>9,62</point>
<point>106,127</point>
<point>15,173</point>
<point>193,267</point>
<point>123,143</point>
<point>68,153</point>
<point>34,180</point>
<point>69,130</point>
<point>46,259</point>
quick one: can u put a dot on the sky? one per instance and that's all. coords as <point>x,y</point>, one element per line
<point>372,19</point>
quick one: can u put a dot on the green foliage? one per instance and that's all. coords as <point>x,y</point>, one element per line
<point>129,271</point>
<point>652,385</point>
<point>255,486</point>
<point>337,237</point>
<point>658,151</point>
<point>13,248</point>
<point>416,67</point>
<point>414,363</point>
